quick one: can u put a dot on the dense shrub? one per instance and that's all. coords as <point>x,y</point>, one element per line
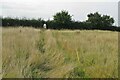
<point>22,22</point>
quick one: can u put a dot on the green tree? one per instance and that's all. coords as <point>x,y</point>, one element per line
<point>107,20</point>
<point>62,19</point>
<point>98,21</point>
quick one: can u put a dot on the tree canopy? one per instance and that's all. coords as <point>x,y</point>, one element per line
<point>62,19</point>
<point>96,20</point>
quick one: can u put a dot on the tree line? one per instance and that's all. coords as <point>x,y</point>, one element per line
<point>15,22</point>
<point>63,20</point>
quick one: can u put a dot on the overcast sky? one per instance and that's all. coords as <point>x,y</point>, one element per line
<point>45,9</point>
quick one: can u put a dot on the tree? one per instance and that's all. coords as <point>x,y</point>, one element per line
<point>62,19</point>
<point>107,20</point>
<point>98,21</point>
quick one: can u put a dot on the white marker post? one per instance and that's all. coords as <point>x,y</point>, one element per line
<point>44,26</point>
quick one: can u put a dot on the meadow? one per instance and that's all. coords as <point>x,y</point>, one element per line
<point>39,53</point>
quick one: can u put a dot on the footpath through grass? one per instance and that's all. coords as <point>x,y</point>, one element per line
<point>34,53</point>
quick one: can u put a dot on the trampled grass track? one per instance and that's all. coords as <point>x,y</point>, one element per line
<point>29,52</point>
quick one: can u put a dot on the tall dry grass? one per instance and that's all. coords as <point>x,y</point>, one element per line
<point>0,52</point>
<point>34,53</point>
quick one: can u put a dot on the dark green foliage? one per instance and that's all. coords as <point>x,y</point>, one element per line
<point>51,24</point>
<point>22,22</point>
<point>100,22</point>
<point>63,20</point>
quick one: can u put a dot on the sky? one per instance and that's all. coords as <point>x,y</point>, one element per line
<point>45,9</point>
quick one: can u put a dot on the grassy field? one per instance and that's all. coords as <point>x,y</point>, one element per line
<point>0,52</point>
<point>35,53</point>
